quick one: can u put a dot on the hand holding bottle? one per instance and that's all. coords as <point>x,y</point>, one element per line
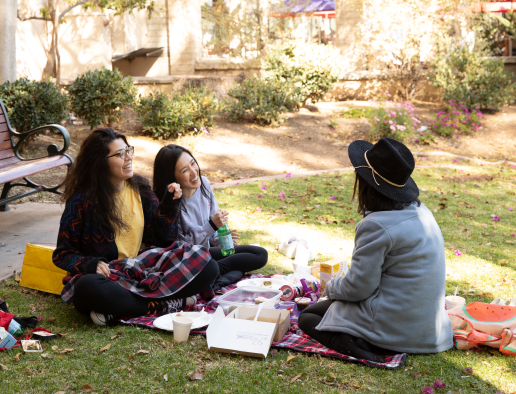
<point>235,236</point>
<point>220,218</point>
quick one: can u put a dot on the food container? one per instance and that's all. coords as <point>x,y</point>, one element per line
<point>246,295</point>
<point>31,346</point>
<point>43,335</point>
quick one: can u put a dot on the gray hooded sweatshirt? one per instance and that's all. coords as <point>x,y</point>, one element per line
<point>195,215</point>
<point>393,294</point>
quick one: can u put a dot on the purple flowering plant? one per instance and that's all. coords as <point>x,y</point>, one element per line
<point>457,120</point>
<point>393,118</point>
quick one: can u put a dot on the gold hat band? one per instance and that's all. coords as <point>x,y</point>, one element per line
<point>374,172</point>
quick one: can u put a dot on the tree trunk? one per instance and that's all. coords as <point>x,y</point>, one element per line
<point>57,57</point>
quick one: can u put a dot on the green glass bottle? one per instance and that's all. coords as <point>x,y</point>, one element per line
<point>226,241</point>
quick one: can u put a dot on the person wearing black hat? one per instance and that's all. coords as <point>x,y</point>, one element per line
<point>392,298</point>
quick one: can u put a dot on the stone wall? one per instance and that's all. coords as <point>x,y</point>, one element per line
<point>359,87</point>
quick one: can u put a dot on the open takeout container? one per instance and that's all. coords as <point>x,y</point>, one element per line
<point>238,333</point>
<point>246,295</point>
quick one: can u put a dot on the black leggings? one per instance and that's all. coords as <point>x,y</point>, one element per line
<point>338,341</point>
<point>246,258</point>
<point>94,292</point>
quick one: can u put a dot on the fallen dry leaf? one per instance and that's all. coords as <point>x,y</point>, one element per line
<point>131,357</point>
<point>289,358</point>
<point>51,320</point>
<point>273,353</point>
<point>296,378</point>
<point>4,367</point>
<point>107,347</point>
<point>165,377</point>
<point>28,370</point>
<point>116,335</point>
<point>60,392</point>
<point>55,347</point>
<point>68,350</point>
<point>332,375</point>
<point>17,276</point>
<point>45,355</point>
<point>142,351</point>
<point>17,357</point>
<point>87,388</point>
<point>468,370</point>
<point>309,208</point>
<point>197,375</point>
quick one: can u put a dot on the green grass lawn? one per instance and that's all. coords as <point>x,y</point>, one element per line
<point>463,198</point>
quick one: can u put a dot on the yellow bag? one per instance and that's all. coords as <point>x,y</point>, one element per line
<point>39,272</point>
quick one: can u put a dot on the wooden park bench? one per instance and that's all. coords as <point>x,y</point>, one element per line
<point>13,166</point>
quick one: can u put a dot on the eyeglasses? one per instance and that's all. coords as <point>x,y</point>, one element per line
<point>124,152</point>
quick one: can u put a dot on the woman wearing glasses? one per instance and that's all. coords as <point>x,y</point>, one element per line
<point>118,242</point>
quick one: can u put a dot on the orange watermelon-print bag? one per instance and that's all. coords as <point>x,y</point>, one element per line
<point>479,323</point>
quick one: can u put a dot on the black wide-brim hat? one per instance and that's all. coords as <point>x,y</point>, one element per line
<point>390,165</point>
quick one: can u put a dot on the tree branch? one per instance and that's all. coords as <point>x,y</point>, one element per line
<point>33,17</point>
<point>82,2</point>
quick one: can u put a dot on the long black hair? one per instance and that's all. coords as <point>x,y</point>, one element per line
<point>165,167</point>
<point>90,175</point>
<point>370,199</point>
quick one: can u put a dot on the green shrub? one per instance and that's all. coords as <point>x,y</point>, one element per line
<point>98,96</point>
<point>32,104</point>
<point>201,104</point>
<point>473,80</point>
<point>353,113</point>
<point>170,116</point>
<point>395,120</point>
<point>457,119</point>
<point>261,101</point>
<point>313,68</point>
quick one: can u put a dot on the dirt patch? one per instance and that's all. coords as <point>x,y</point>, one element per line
<point>313,138</point>
<point>469,178</point>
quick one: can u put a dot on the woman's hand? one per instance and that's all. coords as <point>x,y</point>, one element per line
<point>235,236</point>
<point>175,189</point>
<point>220,218</point>
<point>103,269</point>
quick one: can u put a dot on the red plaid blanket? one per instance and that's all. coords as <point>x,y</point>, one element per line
<point>156,273</point>
<point>294,339</point>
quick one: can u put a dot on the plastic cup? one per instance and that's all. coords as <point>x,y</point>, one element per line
<point>182,326</point>
<point>454,301</point>
<point>286,304</point>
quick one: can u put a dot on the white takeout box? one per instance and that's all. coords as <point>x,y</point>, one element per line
<point>237,335</point>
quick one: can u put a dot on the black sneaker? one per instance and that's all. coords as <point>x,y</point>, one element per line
<point>100,319</point>
<point>172,306</point>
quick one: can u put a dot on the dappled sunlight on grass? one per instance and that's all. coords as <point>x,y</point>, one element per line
<point>485,269</point>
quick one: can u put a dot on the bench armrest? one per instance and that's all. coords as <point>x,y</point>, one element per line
<point>53,150</point>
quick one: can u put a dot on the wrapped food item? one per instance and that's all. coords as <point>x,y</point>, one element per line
<point>260,300</point>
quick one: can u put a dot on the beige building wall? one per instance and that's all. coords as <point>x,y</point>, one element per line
<point>184,27</point>
<point>348,15</point>
<point>32,40</point>
<point>90,39</point>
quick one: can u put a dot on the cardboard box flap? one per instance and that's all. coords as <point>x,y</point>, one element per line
<point>232,334</point>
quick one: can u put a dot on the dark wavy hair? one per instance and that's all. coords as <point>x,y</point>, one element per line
<point>90,175</point>
<point>165,167</point>
<point>370,199</point>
